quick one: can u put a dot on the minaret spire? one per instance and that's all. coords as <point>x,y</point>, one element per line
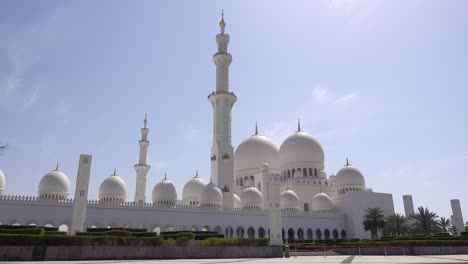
<point>142,168</point>
<point>222,24</point>
<point>222,100</point>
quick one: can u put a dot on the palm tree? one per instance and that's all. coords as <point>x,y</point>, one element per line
<point>444,224</point>
<point>374,220</point>
<point>425,220</point>
<point>396,224</point>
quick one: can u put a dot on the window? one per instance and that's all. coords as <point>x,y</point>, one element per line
<point>293,172</point>
<point>310,172</point>
<point>304,172</point>
<point>315,172</point>
<point>289,174</point>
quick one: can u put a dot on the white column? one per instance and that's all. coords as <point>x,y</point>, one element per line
<point>408,205</point>
<point>81,194</point>
<point>222,152</point>
<point>142,168</point>
<point>272,187</point>
<point>457,217</point>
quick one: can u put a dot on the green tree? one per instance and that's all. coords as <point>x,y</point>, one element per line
<point>425,220</point>
<point>396,225</point>
<point>374,220</point>
<point>444,224</point>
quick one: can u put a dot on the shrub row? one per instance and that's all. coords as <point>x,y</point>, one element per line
<point>65,240</point>
<point>186,231</point>
<point>195,236</point>
<point>55,233</point>
<point>28,227</point>
<point>132,230</point>
<point>241,242</point>
<point>464,234</point>
<point>26,231</point>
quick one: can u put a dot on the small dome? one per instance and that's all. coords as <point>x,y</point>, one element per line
<point>237,201</point>
<point>289,200</point>
<point>349,176</point>
<point>321,201</point>
<point>301,147</point>
<point>332,177</point>
<point>113,189</point>
<point>54,185</point>
<point>253,152</point>
<point>323,175</point>
<point>2,182</point>
<point>164,192</point>
<point>211,196</point>
<point>251,198</point>
<point>192,190</point>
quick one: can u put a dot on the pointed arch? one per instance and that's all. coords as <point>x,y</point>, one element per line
<point>251,232</point>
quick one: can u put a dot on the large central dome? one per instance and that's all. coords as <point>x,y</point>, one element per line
<point>253,152</point>
<point>301,147</point>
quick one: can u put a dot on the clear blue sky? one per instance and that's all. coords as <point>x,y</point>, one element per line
<point>383,83</point>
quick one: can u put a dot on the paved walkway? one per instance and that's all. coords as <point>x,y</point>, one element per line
<point>301,259</point>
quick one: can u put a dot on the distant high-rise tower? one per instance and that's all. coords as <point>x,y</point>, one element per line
<point>457,217</point>
<point>408,204</point>
<point>81,194</point>
<point>222,100</point>
<point>142,168</point>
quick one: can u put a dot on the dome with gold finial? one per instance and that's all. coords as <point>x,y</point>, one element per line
<point>54,185</point>
<point>113,189</point>
<point>164,192</point>
<point>192,190</point>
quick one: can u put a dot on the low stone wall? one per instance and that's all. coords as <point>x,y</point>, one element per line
<point>109,252</point>
<point>449,250</point>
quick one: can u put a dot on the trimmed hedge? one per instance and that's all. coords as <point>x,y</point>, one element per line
<point>241,242</point>
<point>26,231</point>
<point>65,240</point>
<point>55,233</point>
<point>28,227</point>
<point>132,230</point>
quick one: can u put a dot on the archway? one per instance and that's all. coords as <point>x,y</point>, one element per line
<point>306,207</point>
<point>228,232</point>
<point>194,228</point>
<point>326,233</point>
<point>261,232</point>
<point>205,228</point>
<point>318,234</point>
<point>309,234</point>
<point>168,228</point>
<point>251,232</point>
<point>291,234</point>
<point>335,234</point>
<point>343,233</point>
<point>64,228</point>
<point>218,230</point>
<point>240,232</point>
<point>300,234</point>
<point>142,226</point>
<point>157,229</point>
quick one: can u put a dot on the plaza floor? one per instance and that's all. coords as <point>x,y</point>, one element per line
<point>300,259</point>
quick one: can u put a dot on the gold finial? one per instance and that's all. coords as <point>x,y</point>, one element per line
<point>222,24</point>
<point>196,174</point>
<point>115,172</point>
<point>57,167</point>
<point>298,125</point>
<point>256,128</point>
<point>347,163</point>
<point>165,176</point>
<point>146,119</point>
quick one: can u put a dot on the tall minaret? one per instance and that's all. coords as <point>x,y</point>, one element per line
<point>142,168</point>
<point>222,101</point>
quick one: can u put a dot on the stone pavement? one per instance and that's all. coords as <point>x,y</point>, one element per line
<point>301,259</point>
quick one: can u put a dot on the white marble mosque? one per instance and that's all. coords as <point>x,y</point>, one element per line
<point>256,190</point>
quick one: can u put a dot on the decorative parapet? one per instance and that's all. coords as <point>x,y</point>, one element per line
<point>34,200</point>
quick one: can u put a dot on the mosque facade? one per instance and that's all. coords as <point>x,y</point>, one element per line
<point>255,190</point>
